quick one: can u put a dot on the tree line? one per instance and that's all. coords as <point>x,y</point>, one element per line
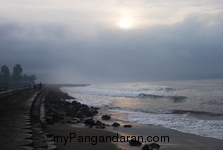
<point>16,78</point>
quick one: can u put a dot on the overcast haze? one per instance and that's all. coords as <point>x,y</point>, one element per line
<point>76,41</point>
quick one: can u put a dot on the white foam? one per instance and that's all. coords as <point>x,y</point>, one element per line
<point>90,100</point>
<point>158,111</point>
<point>117,91</point>
<point>184,123</point>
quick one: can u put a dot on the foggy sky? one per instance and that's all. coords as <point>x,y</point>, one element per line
<point>82,41</point>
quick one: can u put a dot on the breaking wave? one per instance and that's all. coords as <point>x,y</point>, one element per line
<point>176,99</point>
<point>192,112</point>
<point>180,112</point>
<point>180,120</point>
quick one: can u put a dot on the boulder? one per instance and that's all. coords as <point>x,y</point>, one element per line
<point>133,142</point>
<point>154,145</point>
<point>115,124</point>
<point>127,126</point>
<point>106,117</point>
<point>146,147</point>
<point>99,124</point>
<point>102,126</point>
<point>74,103</point>
<point>70,114</point>
<point>90,122</point>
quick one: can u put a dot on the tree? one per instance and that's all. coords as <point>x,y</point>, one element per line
<point>0,79</point>
<point>17,70</point>
<point>29,79</point>
<point>32,79</point>
<point>5,75</point>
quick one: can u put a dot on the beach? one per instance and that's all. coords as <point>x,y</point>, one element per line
<point>176,140</point>
<point>80,135</point>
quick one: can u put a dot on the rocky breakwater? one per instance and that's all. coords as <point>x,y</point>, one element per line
<point>58,110</point>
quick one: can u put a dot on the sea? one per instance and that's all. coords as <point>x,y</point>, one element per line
<point>194,107</point>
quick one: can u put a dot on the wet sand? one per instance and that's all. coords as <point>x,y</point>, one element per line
<point>85,138</point>
<point>177,140</point>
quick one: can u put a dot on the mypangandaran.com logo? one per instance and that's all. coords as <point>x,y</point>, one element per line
<point>116,138</point>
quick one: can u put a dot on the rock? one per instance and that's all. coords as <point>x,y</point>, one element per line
<point>98,123</point>
<point>49,120</point>
<point>61,118</point>
<point>127,126</point>
<point>106,117</point>
<point>146,147</point>
<point>69,121</point>
<point>154,145</point>
<point>102,126</point>
<point>69,114</point>
<point>115,124</point>
<point>95,108</point>
<point>89,113</point>
<point>134,143</point>
<point>90,122</point>
<point>85,111</point>
<point>79,115</point>
<point>55,118</point>
<point>74,103</point>
<point>95,111</point>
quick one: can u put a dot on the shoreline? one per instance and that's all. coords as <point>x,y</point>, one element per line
<point>178,140</point>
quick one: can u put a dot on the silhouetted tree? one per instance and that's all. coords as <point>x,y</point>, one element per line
<point>5,75</point>
<point>26,80</point>
<point>17,70</point>
<point>0,79</point>
<point>7,80</point>
<point>32,79</point>
<point>25,77</point>
<point>29,79</point>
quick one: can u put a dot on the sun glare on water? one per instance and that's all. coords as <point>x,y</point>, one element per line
<point>125,23</point>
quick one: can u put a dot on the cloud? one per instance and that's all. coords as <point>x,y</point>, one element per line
<point>57,52</point>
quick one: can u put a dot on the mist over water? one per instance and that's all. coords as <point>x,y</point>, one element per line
<point>188,106</point>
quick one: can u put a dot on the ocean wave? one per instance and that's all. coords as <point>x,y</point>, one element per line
<point>184,123</point>
<point>180,112</point>
<point>214,102</point>
<point>128,89</point>
<point>177,99</point>
<point>167,89</point>
<point>193,112</point>
<point>138,110</point>
<point>121,91</point>
<point>142,95</point>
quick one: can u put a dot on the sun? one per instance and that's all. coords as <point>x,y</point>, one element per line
<point>125,23</point>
